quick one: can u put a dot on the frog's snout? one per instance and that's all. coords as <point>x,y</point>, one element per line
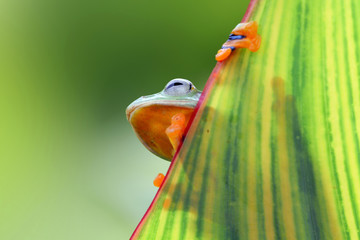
<point>129,110</point>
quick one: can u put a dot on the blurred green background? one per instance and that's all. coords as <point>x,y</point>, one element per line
<point>70,165</point>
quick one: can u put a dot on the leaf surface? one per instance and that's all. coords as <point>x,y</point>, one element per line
<point>273,151</point>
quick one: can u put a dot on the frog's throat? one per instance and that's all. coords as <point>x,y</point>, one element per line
<point>151,122</point>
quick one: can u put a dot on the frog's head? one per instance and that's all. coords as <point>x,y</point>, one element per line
<point>177,93</point>
<point>151,115</point>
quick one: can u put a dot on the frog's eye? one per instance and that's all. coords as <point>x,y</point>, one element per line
<point>178,87</point>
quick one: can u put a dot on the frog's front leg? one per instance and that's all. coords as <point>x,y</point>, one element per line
<point>176,130</point>
<point>175,133</point>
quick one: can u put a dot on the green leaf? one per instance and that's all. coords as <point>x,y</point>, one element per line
<point>273,151</point>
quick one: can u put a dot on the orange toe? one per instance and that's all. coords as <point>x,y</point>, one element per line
<point>223,54</point>
<point>176,130</point>
<point>255,44</point>
<point>159,180</point>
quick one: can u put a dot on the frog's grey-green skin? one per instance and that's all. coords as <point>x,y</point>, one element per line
<point>178,92</point>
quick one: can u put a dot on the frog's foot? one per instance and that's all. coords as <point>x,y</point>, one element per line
<point>176,130</point>
<point>244,35</point>
<point>223,53</point>
<point>159,180</point>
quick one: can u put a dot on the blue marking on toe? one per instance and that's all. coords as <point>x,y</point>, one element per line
<point>236,37</point>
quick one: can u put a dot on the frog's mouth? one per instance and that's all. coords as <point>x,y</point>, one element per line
<point>129,110</point>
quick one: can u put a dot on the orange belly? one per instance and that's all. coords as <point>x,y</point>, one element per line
<point>150,124</point>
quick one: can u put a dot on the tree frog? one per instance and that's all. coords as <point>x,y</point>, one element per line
<point>159,120</point>
<point>244,35</point>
